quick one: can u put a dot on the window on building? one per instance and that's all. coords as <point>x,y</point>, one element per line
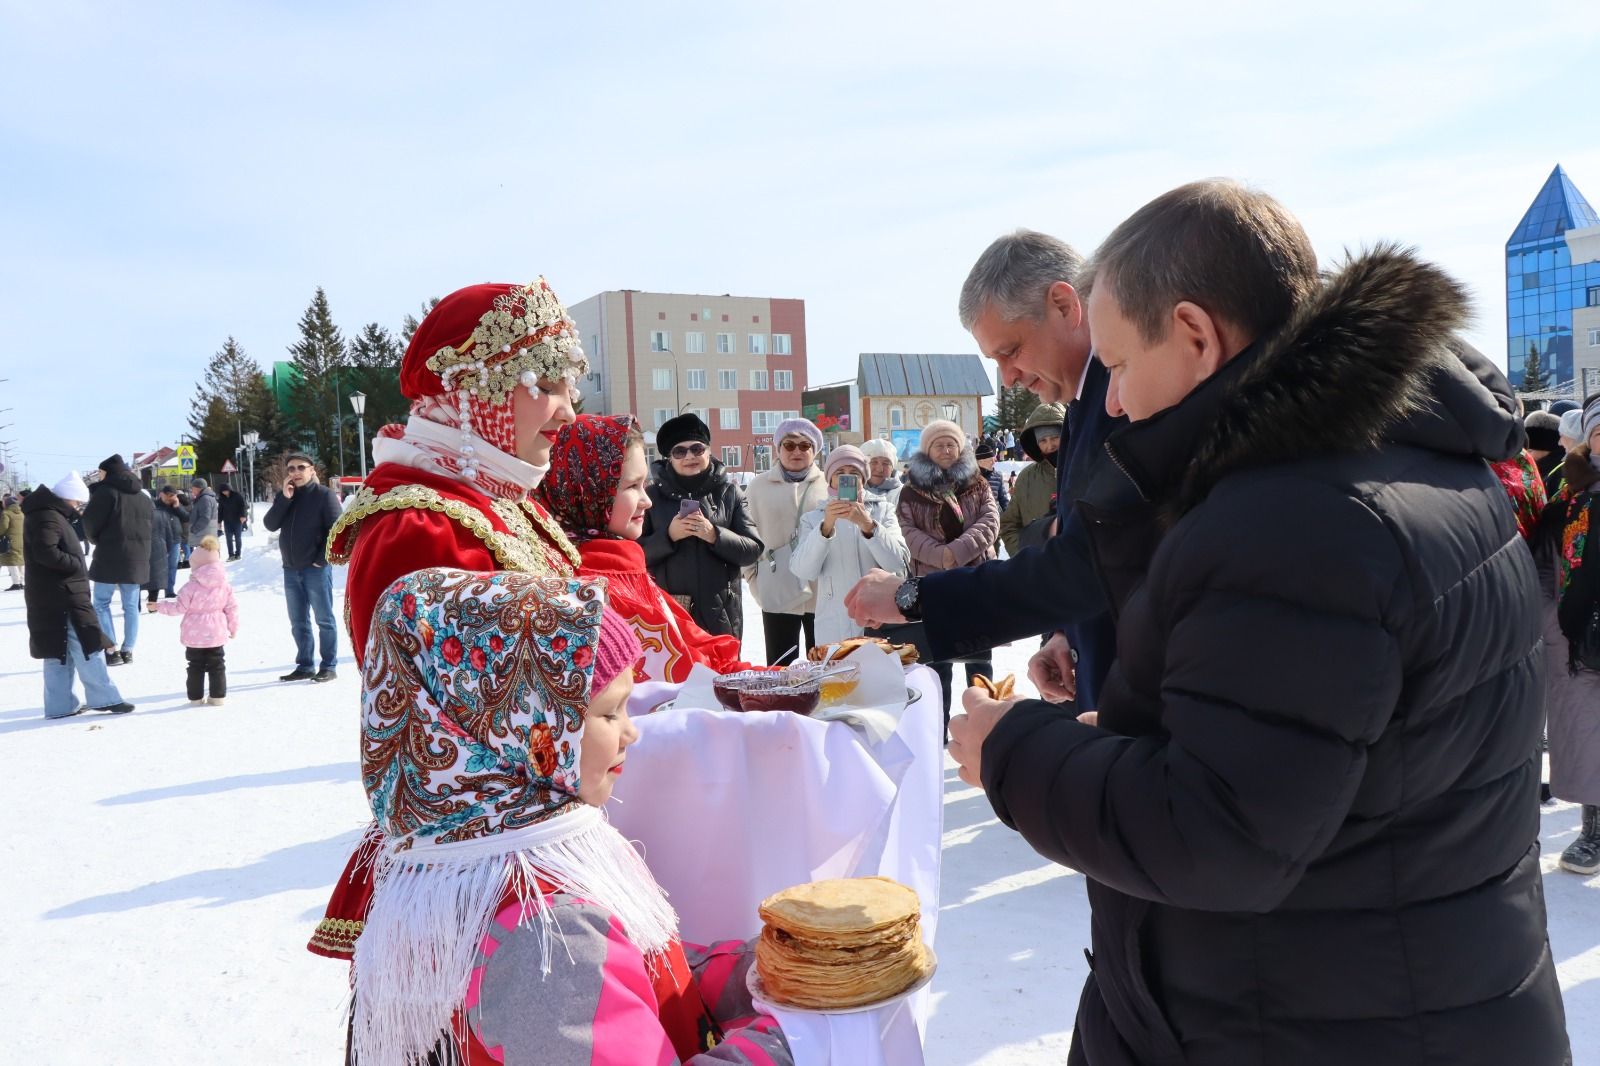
<point>661,379</point>
<point>1594,338</point>
<point>694,380</point>
<point>761,458</point>
<point>728,417</point>
<point>791,414</point>
<point>758,380</point>
<point>662,415</point>
<point>765,421</point>
<point>728,380</point>
<point>660,340</point>
<point>694,343</point>
<point>724,344</point>
<point>783,380</point>
<point>732,457</point>
<point>897,416</point>
<point>1594,296</point>
<point>780,344</point>
<point>758,344</point>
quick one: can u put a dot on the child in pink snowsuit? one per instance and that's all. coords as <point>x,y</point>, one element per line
<point>210,620</point>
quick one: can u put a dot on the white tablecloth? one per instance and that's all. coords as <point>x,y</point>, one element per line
<point>730,808</point>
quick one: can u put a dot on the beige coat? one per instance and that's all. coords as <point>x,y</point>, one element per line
<point>776,507</point>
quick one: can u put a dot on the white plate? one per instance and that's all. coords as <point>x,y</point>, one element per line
<point>752,981</point>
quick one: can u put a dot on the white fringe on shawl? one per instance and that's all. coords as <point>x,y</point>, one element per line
<point>432,906</point>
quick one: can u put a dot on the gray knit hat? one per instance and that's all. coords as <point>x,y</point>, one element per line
<point>799,427</point>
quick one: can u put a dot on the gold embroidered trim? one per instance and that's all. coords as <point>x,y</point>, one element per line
<point>521,517</point>
<point>337,935</point>
<point>510,551</point>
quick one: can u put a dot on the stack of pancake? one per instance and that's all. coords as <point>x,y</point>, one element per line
<point>833,945</point>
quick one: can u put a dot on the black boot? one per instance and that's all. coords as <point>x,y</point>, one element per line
<point>1583,855</point>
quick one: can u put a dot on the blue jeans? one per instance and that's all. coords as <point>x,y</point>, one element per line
<point>309,589</point>
<point>130,612</point>
<point>173,550</point>
<point>98,691</point>
<point>235,542</point>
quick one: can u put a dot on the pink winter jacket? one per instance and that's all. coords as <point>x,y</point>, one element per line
<point>210,613</point>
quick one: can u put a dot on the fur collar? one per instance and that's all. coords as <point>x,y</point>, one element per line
<point>926,475</point>
<point>1371,357</point>
<point>1578,472</point>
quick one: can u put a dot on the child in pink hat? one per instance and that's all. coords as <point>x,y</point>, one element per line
<point>210,619</point>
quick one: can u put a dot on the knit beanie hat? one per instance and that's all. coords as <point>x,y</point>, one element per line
<point>1591,418</point>
<point>799,427</point>
<point>113,463</point>
<point>1572,426</point>
<point>202,556</point>
<point>71,487</point>
<point>618,649</point>
<point>940,427</point>
<point>844,455</point>
<point>878,448</point>
<point>1544,431</point>
<point>984,451</point>
<point>684,428</point>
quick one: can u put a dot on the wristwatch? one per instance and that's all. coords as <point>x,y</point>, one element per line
<point>908,597</point>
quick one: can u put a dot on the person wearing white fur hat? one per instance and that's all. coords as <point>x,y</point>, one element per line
<point>882,483</point>
<point>63,629</point>
<point>778,499</point>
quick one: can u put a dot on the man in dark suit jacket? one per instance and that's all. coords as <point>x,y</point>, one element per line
<point>1021,307</point>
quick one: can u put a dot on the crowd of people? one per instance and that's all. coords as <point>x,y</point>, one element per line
<point>1305,582</point>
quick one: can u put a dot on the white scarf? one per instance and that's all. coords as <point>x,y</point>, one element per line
<point>426,445</point>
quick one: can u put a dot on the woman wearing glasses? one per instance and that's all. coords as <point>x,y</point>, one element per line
<point>697,533</point>
<point>778,500</point>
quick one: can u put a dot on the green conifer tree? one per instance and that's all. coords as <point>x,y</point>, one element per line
<point>320,359</point>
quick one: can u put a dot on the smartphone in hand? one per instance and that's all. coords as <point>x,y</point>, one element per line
<point>688,507</point>
<point>849,487</point>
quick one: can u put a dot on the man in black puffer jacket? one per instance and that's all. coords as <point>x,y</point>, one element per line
<point>1309,812</point>
<point>118,521</point>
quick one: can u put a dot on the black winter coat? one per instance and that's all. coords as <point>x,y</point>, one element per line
<point>57,589</point>
<point>707,573</point>
<point>231,508</point>
<point>166,529</point>
<point>302,522</point>
<point>1310,815</point>
<point>117,520</point>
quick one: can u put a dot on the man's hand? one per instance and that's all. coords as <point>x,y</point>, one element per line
<point>288,490</point>
<point>871,601</point>
<point>968,731</point>
<point>1052,671</point>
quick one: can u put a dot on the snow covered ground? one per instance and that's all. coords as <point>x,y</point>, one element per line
<point>164,868</point>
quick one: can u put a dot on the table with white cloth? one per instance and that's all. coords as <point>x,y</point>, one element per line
<point>729,808</point>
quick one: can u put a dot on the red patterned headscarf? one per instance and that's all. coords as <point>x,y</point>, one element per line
<point>585,469</point>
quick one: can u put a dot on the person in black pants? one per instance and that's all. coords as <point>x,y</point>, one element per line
<point>231,510</point>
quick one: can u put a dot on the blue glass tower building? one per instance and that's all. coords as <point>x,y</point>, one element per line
<point>1544,285</point>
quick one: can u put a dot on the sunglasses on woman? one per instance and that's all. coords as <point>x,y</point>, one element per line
<point>683,451</point>
<point>797,446</point>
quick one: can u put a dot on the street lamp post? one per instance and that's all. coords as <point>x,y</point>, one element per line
<point>952,411</point>
<point>358,400</point>
<point>250,440</point>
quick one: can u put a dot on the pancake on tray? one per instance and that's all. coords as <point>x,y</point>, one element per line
<point>840,944</point>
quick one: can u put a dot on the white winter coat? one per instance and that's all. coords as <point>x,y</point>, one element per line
<point>776,507</point>
<point>836,563</point>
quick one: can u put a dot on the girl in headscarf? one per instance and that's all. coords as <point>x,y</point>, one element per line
<point>490,374</point>
<point>596,490</point>
<point>510,923</point>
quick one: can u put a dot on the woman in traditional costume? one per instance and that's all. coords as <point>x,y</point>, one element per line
<point>510,923</point>
<point>490,373</point>
<point>596,490</point>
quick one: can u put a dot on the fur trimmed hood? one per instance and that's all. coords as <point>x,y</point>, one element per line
<point>1373,357</point>
<point>924,474</point>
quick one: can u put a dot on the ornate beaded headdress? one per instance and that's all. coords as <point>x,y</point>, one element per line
<point>524,338</point>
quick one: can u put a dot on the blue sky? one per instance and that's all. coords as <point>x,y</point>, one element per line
<point>177,173</point>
